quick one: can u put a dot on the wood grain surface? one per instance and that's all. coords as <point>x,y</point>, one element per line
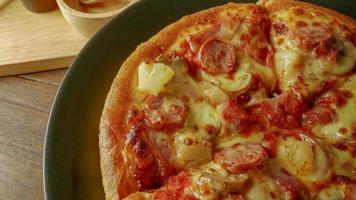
<point>35,41</point>
<point>25,103</point>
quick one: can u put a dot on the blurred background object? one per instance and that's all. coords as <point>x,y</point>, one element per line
<point>90,2</point>
<point>3,3</point>
<point>32,42</point>
<point>39,5</point>
<point>88,16</point>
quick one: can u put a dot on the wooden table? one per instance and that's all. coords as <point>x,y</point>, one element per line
<point>25,103</point>
<point>26,100</point>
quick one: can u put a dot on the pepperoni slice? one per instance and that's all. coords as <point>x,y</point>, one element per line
<point>283,111</point>
<point>350,193</point>
<point>241,157</point>
<point>317,39</point>
<point>236,116</point>
<point>292,104</point>
<point>290,185</point>
<point>311,37</point>
<point>216,57</point>
<point>164,113</point>
<point>174,189</point>
<point>319,114</point>
<point>280,28</point>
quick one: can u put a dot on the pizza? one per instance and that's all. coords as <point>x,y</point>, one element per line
<point>236,102</point>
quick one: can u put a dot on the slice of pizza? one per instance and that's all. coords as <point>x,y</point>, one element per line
<point>312,45</point>
<point>240,101</point>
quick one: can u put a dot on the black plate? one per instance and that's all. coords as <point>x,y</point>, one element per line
<point>71,158</point>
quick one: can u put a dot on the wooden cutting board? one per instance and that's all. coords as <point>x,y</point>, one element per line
<point>31,42</point>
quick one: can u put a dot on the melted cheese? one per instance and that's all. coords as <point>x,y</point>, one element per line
<point>335,192</point>
<point>345,116</point>
<point>293,62</point>
<point>321,166</point>
<point>139,196</point>
<point>286,67</point>
<point>203,115</point>
<point>182,85</point>
<point>344,163</point>
<point>265,188</point>
<point>211,181</point>
<point>224,141</point>
<point>203,132</point>
<point>240,81</point>
<point>215,95</point>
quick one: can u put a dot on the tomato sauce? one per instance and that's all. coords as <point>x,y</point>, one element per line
<point>174,189</point>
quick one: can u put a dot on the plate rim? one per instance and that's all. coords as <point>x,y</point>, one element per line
<point>61,90</point>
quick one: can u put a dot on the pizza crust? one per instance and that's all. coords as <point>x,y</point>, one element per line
<point>112,129</point>
<point>278,5</point>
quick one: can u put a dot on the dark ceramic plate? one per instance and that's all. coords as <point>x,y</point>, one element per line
<point>71,158</point>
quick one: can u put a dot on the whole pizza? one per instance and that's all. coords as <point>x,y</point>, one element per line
<point>236,102</point>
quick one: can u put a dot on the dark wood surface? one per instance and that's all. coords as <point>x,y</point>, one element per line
<point>25,103</point>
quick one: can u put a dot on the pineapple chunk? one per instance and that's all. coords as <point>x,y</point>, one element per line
<point>191,149</point>
<point>214,93</point>
<point>264,188</point>
<point>295,156</point>
<point>152,77</point>
<point>333,192</point>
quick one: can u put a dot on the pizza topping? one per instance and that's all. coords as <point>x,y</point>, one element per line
<point>236,116</point>
<point>191,45</point>
<point>258,49</point>
<point>301,24</point>
<point>225,79</point>
<point>282,111</point>
<point>135,115</point>
<point>192,150</point>
<point>280,28</point>
<point>322,89</point>
<point>289,184</point>
<point>318,39</point>
<point>164,113</point>
<point>174,189</point>
<point>138,196</point>
<point>296,156</point>
<point>241,157</point>
<point>324,109</point>
<point>269,143</point>
<point>234,197</point>
<point>215,95</point>
<point>350,193</point>
<point>152,77</point>
<point>310,38</point>
<point>216,57</point>
<point>319,115</point>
